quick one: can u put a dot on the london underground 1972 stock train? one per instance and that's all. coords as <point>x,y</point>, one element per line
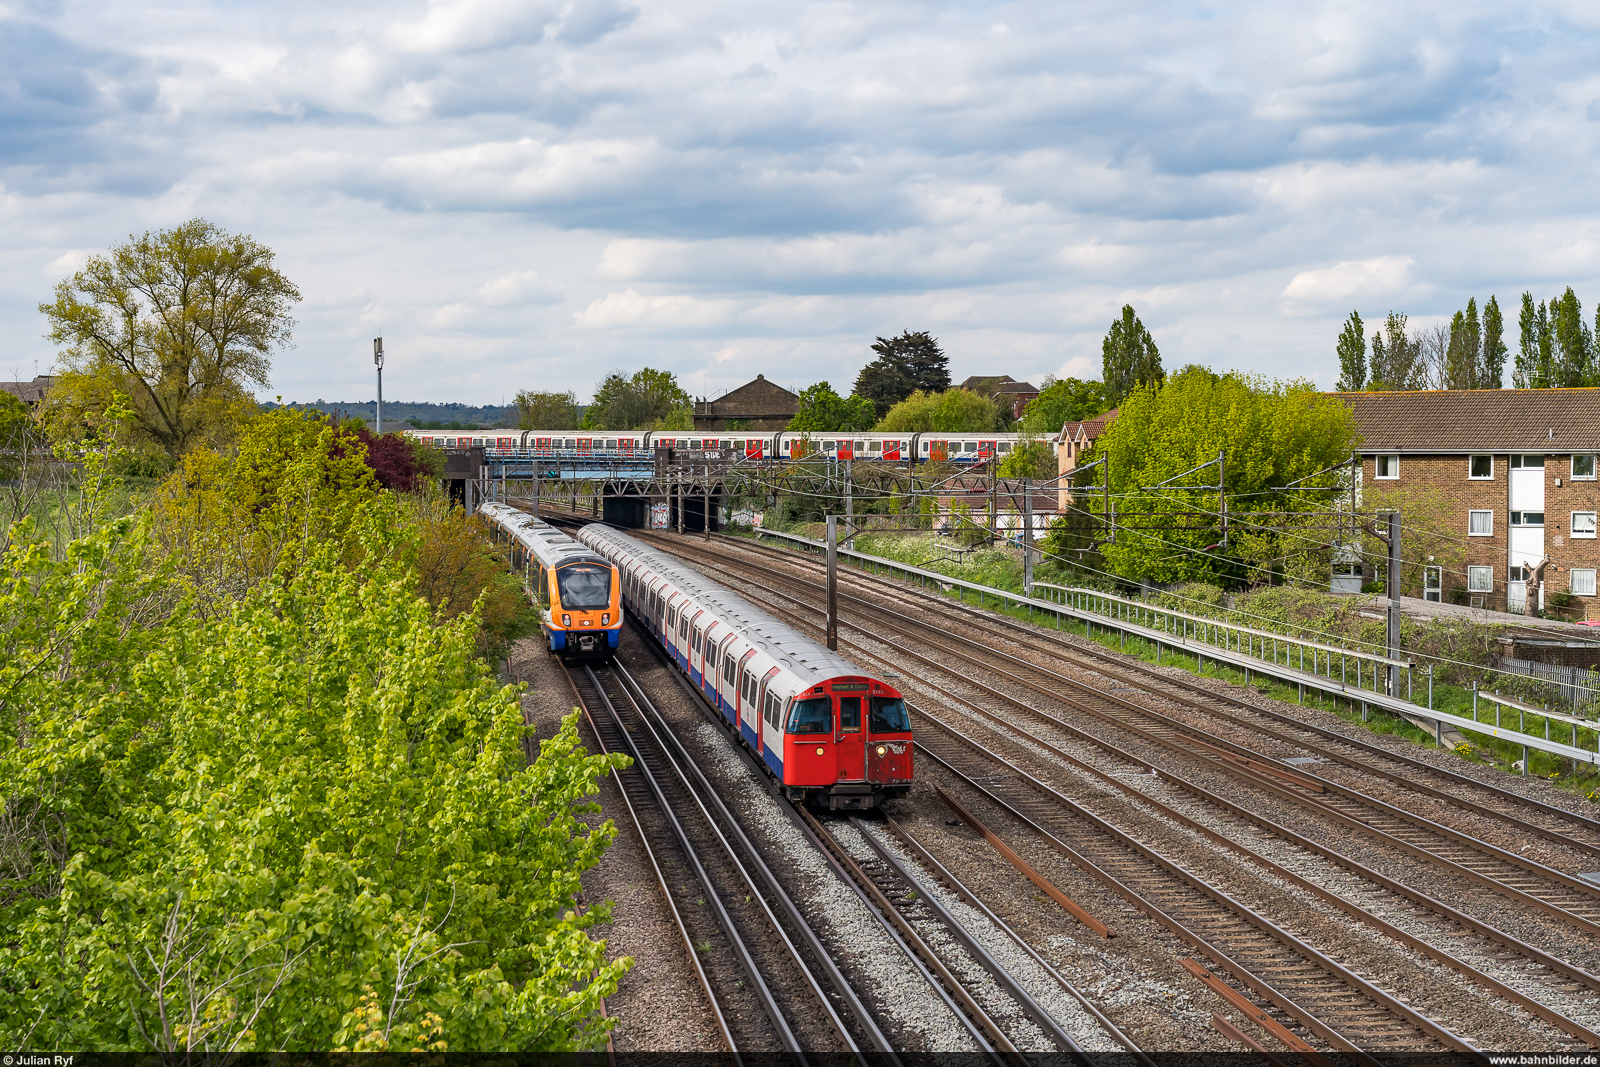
<point>578,593</point>
<point>830,734</point>
<point>621,446</point>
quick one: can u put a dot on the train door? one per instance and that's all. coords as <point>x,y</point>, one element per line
<point>938,451</point>
<point>708,662</point>
<point>697,637</point>
<point>986,449</point>
<point>850,736</point>
<point>727,693</point>
<point>891,449</point>
<point>585,446</point>
<point>752,448</point>
<point>625,444</point>
<point>541,446</point>
<point>749,709</point>
<point>767,725</point>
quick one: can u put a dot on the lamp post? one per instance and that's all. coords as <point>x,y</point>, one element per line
<point>377,359</point>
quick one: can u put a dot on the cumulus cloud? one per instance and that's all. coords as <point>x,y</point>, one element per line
<point>523,191</point>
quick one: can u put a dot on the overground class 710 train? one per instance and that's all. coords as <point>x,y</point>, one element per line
<point>641,444</point>
<point>578,592</point>
<point>832,735</point>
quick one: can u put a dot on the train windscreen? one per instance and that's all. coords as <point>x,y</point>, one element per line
<point>811,716</point>
<point>889,716</point>
<point>584,586</point>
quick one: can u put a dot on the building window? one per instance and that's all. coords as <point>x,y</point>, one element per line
<point>1583,468</point>
<point>1583,524</point>
<point>1581,581</point>
<point>1480,467</point>
<point>1387,466</point>
<point>1480,579</point>
<point>1527,461</point>
<point>1432,583</point>
<point>1480,523</point>
<point>1527,518</point>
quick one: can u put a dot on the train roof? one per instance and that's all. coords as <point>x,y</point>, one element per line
<point>550,546</point>
<point>807,659</point>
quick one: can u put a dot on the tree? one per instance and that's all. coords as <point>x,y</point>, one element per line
<point>1491,373</point>
<point>650,400</point>
<point>1463,355</point>
<point>1536,347</point>
<point>1130,357</point>
<point>905,364</point>
<point>952,411</point>
<point>546,411</point>
<point>181,321</point>
<point>1352,355</point>
<point>1397,359</point>
<point>1270,433</point>
<point>1574,344</point>
<point>1062,401</point>
<point>824,411</point>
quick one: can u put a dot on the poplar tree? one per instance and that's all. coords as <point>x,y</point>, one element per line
<point>1462,357</point>
<point>1492,354</point>
<point>1352,355</point>
<point>1130,357</point>
<point>1532,370</point>
<point>1397,363</point>
<point>1574,343</point>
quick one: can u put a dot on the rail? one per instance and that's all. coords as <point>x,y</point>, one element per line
<point>1234,646</point>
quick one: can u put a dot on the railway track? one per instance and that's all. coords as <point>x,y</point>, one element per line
<point>1548,968</point>
<point>771,985</point>
<point>1572,899</point>
<point>894,896</point>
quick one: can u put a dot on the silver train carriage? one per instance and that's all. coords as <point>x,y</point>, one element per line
<point>831,735</point>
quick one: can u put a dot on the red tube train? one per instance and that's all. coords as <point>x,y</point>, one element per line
<point>829,733</point>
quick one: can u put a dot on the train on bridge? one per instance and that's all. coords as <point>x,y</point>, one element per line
<point>643,445</point>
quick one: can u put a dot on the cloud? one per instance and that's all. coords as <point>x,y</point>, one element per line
<point>519,191</point>
<point>1384,278</point>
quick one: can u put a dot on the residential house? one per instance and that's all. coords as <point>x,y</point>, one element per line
<point>1517,468</point>
<point>30,393</point>
<point>1074,439</point>
<point>757,405</point>
<point>1011,395</point>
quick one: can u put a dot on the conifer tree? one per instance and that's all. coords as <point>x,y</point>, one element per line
<point>1492,353</point>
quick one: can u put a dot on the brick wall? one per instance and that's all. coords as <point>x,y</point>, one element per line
<point>1447,474</point>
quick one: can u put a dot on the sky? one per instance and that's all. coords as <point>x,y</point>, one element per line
<point>531,194</point>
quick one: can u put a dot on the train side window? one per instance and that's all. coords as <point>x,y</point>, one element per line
<point>727,668</point>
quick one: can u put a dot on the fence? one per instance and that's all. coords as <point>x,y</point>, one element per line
<point>1240,647</point>
<point>1578,685</point>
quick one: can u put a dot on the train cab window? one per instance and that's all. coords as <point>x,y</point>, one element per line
<point>850,715</point>
<point>889,716</point>
<point>813,716</point>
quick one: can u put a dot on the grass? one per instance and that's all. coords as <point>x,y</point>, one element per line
<point>996,569</point>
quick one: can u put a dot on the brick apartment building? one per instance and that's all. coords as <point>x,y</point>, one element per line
<point>1518,467</point>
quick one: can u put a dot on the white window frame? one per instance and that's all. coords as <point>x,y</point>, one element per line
<point>1583,477</point>
<point>1572,525</point>
<point>1480,579</point>
<point>1480,477</point>
<point>1476,533</point>
<point>1378,464</point>
<point>1573,576</point>
<point>1433,583</point>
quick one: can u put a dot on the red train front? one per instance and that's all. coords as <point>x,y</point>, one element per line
<point>846,744</point>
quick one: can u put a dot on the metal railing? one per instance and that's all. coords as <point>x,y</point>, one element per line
<point>1242,648</point>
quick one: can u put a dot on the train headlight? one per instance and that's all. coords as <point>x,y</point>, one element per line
<point>605,620</point>
<point>566,620</point>
<point>819,750</point>
<point>881,750</point>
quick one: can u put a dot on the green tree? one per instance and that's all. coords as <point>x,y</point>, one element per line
<point>649,400</point>
<point>824,411</point>
<point>905,364</point>
<point>1397,364</point>
<point>1352,355</point>
<point>1270,433</point>
<point>1491,375</point>
<point>1574,344</point>
<point>1030,457</point>
<point>1463,355</point>
<point>952,411</point>
<point>181,321</point>
<point>1130,357</point>
<point>300,824</point>
<point>1062,401</point>
<point>546,411</point>
<point>1535,363</point>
